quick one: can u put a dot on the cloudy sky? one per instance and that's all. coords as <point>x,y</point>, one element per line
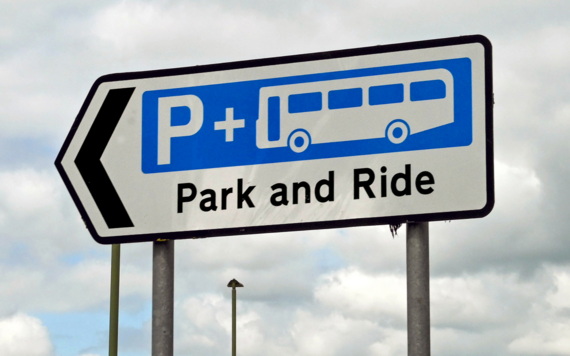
<point>499,285</point>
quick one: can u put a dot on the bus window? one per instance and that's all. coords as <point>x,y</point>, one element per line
<point>306,102</point>
<point>386,94</point>
<point>273,118</point>
<point>428,90</point>
<point>345,98</point>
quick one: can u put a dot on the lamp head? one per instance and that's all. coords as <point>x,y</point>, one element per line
<point>234,284</point>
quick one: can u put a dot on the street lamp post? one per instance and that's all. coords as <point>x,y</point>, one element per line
<point>233,284</point>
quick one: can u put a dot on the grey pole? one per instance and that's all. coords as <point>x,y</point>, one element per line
<point>417,269</point>
<point>234,284</point>
<point>114,309</point>
<point>162,298</point>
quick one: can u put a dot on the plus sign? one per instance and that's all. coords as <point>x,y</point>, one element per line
<point>229,125</point>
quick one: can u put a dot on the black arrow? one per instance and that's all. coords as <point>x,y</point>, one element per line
<point>88,160</point>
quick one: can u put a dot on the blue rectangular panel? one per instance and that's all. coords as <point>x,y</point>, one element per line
<point>230,129</point>
<point>386,94</point>
<point>274,118</point>
<point>345,98</point>
<point>427,90</point>
<point>305,102</point>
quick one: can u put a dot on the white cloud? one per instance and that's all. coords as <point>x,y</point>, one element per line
<point>23,335</point>
<point>207,319</point>
<point>379,297</point>
<point>335,334</point>
<point>273,267</point>
<point>546,330</point>
<point>37,220</point>
<point>211,311</point>
<point>27,192</point>
<point>64,288</point>
<point>469,302</point>
<point>212,314</point>
<point>518,187</point>
<point>485,311</point>
<point>365,313</point>
<point>550,338</point>
<point>560,298</point>
<point>212,32</point>
<point>476,302</point>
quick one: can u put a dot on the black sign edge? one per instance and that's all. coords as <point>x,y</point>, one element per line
<point>451,41</point>
<point>59,164</point>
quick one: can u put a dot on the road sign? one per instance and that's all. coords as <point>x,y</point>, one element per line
<point>365,136</point>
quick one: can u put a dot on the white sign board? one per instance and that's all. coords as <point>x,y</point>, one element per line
<point>365,136</point>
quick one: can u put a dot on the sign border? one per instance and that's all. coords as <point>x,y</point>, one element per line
<point>452,41</point>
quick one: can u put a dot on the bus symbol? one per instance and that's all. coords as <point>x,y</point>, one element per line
<point>354,112</point>
<point>392,106</point>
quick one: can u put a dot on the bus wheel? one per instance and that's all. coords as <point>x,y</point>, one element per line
<point>397,131</point>
<point>299,141</point>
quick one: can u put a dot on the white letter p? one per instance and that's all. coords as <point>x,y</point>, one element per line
<point>165,129</point>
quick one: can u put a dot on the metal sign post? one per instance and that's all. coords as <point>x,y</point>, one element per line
<point>417,270</point>
<point>114,309</point>
<point>162,298</point>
